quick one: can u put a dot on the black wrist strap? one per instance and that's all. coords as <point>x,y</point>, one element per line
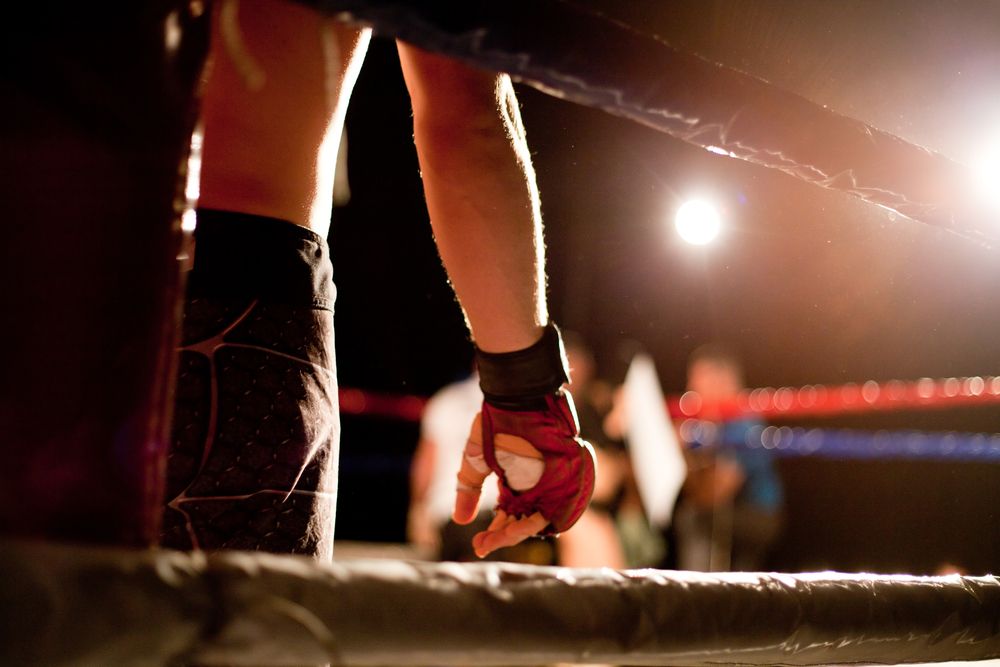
<point>521,380</point>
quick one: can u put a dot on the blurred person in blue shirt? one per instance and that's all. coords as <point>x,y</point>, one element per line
<point>730,514</point>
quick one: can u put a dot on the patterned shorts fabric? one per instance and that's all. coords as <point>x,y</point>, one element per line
<point>253,458</point>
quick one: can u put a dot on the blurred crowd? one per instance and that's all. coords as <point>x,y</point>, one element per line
<point>727,516</point>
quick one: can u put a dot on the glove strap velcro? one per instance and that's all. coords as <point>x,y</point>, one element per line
<point>521,380</point>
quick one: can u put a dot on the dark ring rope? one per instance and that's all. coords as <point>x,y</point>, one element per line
<point>572,53</point>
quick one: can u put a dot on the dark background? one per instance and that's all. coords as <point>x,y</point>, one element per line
<point>810,285</point>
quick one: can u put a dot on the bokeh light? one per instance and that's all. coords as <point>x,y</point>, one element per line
<point>698,222</point>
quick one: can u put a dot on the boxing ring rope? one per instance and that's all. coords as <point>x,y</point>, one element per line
<point>65,605</point>
<point>851,444</point>
<point>788,402</point>
<point>406,407</point>
<point>570,52</point>
<point>817,400</point>
<point>811,400</point>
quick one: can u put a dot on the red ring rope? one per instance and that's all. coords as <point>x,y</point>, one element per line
<point>808,401</point>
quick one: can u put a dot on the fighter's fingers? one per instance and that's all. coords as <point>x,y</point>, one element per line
<point>466,505</point>
<point>499,521</point>
<point>511,533</point>
<point>471,475</point>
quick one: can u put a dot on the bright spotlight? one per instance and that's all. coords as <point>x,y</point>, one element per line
<point>698,222</point>
<point>986,172</point>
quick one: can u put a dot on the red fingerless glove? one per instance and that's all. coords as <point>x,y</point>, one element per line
<point>563,491</point>
<point>526,408</point>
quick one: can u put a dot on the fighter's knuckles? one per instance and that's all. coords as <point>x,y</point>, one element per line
<point>523,465</point>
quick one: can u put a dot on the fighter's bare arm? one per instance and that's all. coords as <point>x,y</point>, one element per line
<point>484,208</point>
<point>481,195</point>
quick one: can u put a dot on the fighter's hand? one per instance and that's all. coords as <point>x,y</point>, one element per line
<point>546,473</point>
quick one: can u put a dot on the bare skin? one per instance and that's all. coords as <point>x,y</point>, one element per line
<point>273,110</point>
<point>481,195</point>
<point>274,107</point>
